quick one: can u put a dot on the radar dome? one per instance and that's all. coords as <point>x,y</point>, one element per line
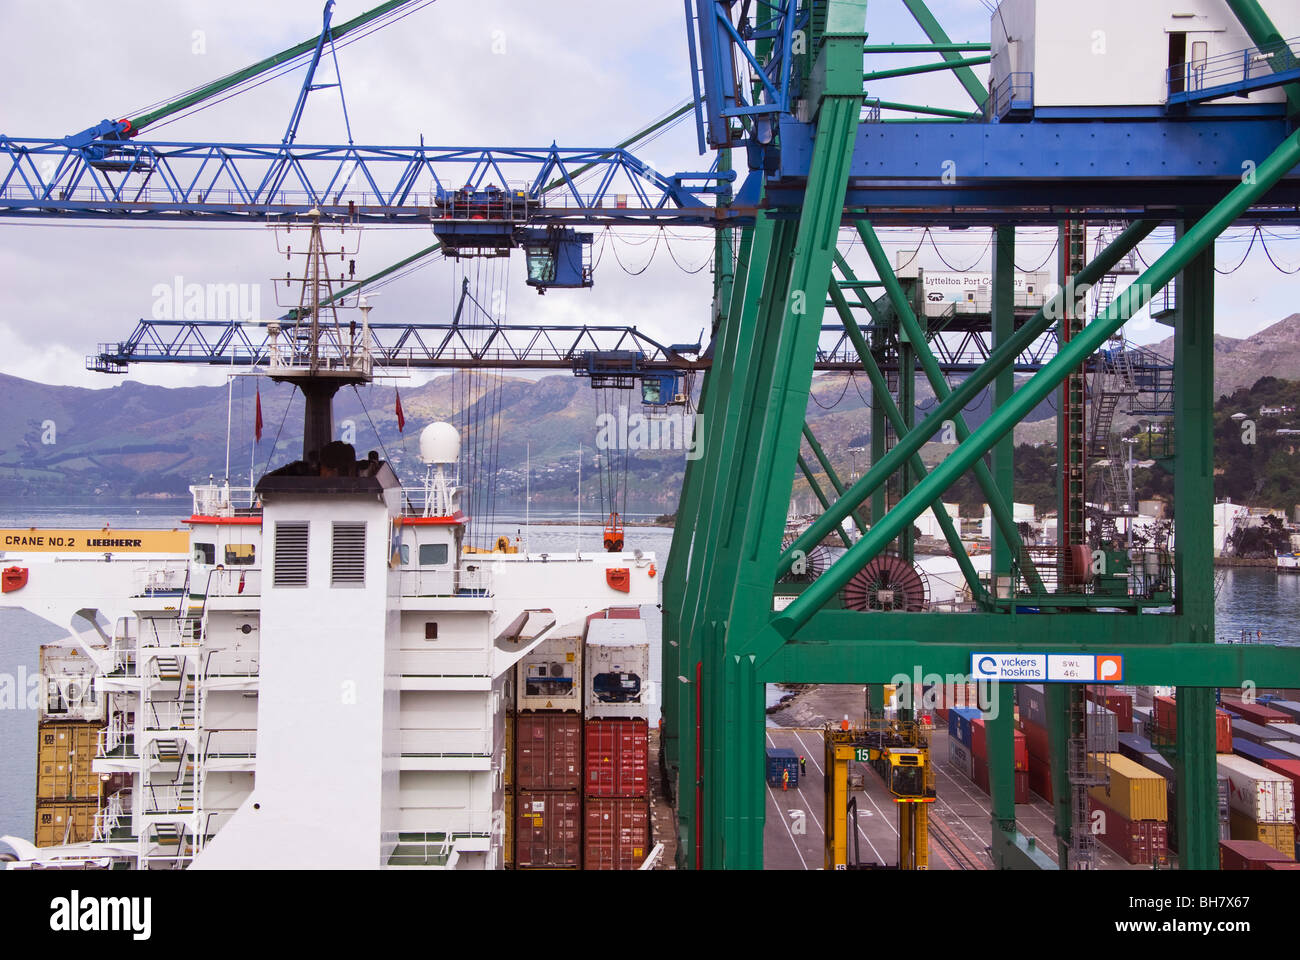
<point>439,443</point>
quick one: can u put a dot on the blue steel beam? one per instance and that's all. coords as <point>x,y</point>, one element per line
<point>370,184</point>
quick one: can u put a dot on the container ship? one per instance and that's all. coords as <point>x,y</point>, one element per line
<point>327,678</point>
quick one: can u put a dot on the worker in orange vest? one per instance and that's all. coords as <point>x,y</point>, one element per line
<point>785,780</point>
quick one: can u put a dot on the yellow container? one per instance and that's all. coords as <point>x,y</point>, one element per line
<point>510,829</point>
<point>1135,792</point>
<point>1279,836</point>
<point>508,772</point>
<point>59,823</point>
<point>65,756</point>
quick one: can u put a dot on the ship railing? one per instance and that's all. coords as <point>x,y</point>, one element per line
<point>231,663</point>
<point>121,651</point>
<point>171,715</point>
<point>169,798</point>
<point>114,736</point>
<point>109,817</point>
<point>235,582</point>
<point>159,577</point>
<point>229,744</point>
<point>446,583</point>
<point>222,500</point>
<point>171,632</point>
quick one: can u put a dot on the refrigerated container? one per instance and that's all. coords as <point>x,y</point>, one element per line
<point>1262,794</point>
<point>550,677</point>
<point>618,669</point>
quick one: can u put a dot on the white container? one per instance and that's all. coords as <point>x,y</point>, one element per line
<point>1257,792</point>
<point>1289,747</point>
<point>618,670</point>
<point>959,759</point>
<point>1290,731</point>
<point>550,678</point>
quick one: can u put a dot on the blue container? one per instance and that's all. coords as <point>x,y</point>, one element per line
<point>779,761</point>
<point>966,717</point>
<point>1133,746</point>
<point>1254,732</point>
<point>1257,752</point>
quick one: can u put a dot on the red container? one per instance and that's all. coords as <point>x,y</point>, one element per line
<point>1022,786</point>
<point>618,834</point>
<point>548,751</point>
<point>1256,712</point>
<point>1142,842</point>
<point>1036,741</point>
<point>1282,865</point>
<point>1166,714</point>
<point>1248,855</point>
<point>1121,704</point>
<point>980,774</point>
<point>1040,777</point>
<point>1167,723</point>
<point>548,829</point>
<point>1288,768</point>
<point>618,756</point>
<point>979,744</point>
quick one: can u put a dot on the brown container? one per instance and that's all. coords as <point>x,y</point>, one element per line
<point>618,833</point>
<point>1036,740</point>
<point>1120,704</point>
<point>508,767</point>
<point>64,757</point>
<point>1142,842</point>
<point>548,751</point>
<point>1135,792</point>
<point>58,822</point>
<point>1247,855</point>
<point>1279,836</point>
<point>548,829</point>
<point>1166,715</point>
<point>508,844</point>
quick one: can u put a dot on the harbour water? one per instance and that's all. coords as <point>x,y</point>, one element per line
<point>1251,599</point>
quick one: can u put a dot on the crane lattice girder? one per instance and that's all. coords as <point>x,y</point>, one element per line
<point>201,182</point>
<point>544,346</point>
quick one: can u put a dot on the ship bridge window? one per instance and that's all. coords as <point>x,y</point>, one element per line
<point>240,554</point>
<point>433,554</point>
<point>205,553</point>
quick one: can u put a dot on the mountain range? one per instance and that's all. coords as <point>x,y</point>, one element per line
<point>133,439</point>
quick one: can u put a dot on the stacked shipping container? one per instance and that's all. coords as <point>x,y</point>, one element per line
<point>1262,802</point>
<point>1134,807</point>
<point>617,755</point>
<point>67,788</point>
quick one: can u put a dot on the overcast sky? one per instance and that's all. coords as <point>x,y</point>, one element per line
<point>578,72</point>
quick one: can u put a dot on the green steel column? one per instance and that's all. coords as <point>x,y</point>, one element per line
<point>1004,325</point>
<point>967,391</point>
<point>1058,736</point>
<point>1000,742</point>
<point>751,268</point>
<point>912,333</point>
<point>1195,764</point>
<point>880,391</point>
<point>831,475</point>
<point>879,447</point>
<point>907,406</point>
<point>1192,244</point>
<point>777,381</point>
